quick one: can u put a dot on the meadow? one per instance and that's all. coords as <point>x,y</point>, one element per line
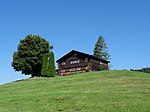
<point>103,91</point>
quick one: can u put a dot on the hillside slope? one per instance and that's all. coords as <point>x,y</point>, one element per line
<point>104,91</point>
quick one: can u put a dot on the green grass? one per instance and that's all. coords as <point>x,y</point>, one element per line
<point>105,91</point>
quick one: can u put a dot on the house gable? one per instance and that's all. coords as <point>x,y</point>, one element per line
<point>73,53</point>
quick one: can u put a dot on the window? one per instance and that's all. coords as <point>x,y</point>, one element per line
<point>62,71</point>
<point>74,61</point>
<point>63,63</point>
<point>75,54</point>
<point>86,59</point>
<point>74,69</point>
<point>78,69</point>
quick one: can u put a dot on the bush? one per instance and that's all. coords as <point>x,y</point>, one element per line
<point>48,66</point>
<point>145,70</point>
<point>99,68</point>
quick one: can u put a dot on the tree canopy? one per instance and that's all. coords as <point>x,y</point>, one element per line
<point>100,50</point>
<point>29,54</point>
<point>145,70</point>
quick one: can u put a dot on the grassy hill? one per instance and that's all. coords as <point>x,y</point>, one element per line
<point>105,91</point>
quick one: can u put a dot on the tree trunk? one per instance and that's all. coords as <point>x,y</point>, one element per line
<point>36,71</point>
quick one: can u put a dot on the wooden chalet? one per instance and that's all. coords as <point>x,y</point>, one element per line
<point>76,61</point>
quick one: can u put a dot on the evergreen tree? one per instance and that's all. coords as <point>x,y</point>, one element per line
<point>100,50</point>
<point>48,66</point>
<point>29,54</point>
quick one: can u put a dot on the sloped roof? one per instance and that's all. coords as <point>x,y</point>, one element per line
<point>81,53</point>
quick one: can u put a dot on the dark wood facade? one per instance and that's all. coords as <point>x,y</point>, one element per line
<point>76,61</point>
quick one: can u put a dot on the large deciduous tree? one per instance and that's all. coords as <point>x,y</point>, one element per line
<point>100,50</point>
<point>29,55</point>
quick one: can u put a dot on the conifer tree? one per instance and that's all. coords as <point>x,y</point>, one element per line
<point>48,66</point>
<point>100,50</point>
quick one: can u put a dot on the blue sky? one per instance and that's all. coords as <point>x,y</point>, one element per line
<point>76,24</point>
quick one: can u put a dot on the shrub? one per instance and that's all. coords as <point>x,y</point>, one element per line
<point>99,68</point>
